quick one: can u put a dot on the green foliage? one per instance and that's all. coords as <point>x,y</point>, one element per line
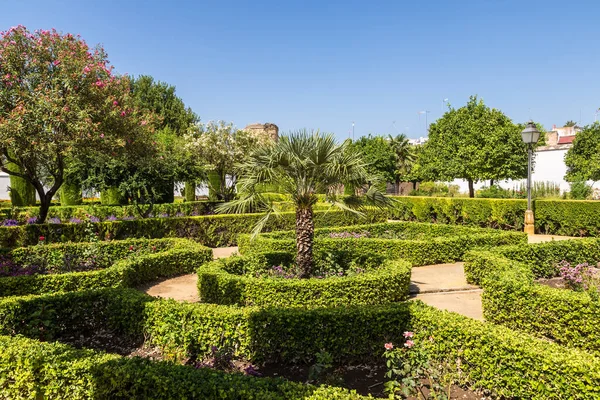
<point>580,190</point>
<point>404,156</point>
<point>116,264</point>
<point>210,230</point>
<point>51,370</point>
<point>189,192</point>
<point>43,127</point>
<point>508,363</point>
<point>583,158</point>
<point>112,197</point>
<point>378,155</point>
<point>569,218</point>
<point>423,244</point>
<point>474,143</point>
<point>385,284</point>
<point>22,193</point>
<point>511,297</point>
<point>436,189</point>
<point>70,194</point>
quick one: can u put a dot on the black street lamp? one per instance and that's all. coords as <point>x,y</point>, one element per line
<point>530,136</point>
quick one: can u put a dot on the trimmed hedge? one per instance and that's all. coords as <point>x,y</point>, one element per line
<point>508,363</point>
<point>386,284</point>
<point>512,298</point>
<point>494,358</point>
<point>555,217</point>
<point>31,369</point>
<point>64,213</point>
<point>172,257</point>
<point>437,244</point>
<point>211,230</point>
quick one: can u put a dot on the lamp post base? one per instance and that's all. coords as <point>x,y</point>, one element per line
<point>529,225</point>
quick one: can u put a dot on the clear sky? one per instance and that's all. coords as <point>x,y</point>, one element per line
<point>323,64</point>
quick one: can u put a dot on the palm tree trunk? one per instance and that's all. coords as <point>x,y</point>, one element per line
<point>305,229</point>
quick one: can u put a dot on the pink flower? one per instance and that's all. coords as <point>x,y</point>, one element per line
<point>431,338</point>
<point>87,70</point>
<point>409,344</point>
<point>100,84</point>
<point>115,103</point>
<point>56,63</point>
<point>102,135</point>
<point>123,113</point>
<point>408,334</point>
<point>144,122</point>
<point>388,346</point>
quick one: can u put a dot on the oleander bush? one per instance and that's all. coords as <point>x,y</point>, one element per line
<point>556,217</point>
<point>79,266</point>
<point>512,297</point>
<point>433,244</point>
<point>210,230</point>
<point>220,282</point>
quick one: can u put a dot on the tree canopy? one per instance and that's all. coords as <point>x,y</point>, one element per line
<point>583,158</point>
<point>474,143</point>
<point>59,101</point>
<point>379,156</point>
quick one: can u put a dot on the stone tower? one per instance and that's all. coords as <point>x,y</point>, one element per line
<point>267,128</point>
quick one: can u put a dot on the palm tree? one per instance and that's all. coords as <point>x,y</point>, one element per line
<point>303,164</point>
<point>405,156</point>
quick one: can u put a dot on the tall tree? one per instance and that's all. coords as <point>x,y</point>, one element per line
<point>379,156</point>
<point>303,164</point>
<point>474,143</point>
<point>583,158</point>
<point>173,117</point>
<point>58,101</point>
<point>570,123</point>
<point>405,157</point>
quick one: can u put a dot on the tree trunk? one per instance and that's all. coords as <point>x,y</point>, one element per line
<point>305,229</point>
<point>471,188</point>
<point>45,202</point>
<point>491,182</point>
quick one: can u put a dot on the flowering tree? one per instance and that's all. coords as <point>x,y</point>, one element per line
<point>223,147</point>
<point>59,101</point>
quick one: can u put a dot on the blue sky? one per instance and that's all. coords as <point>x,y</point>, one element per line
<point>323,64</point>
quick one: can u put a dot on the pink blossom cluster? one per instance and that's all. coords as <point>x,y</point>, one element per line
<point>577,276</point>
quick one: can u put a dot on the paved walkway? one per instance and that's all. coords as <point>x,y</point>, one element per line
<point>183,288</point>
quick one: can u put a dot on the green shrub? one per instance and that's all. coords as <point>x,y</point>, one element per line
<point>386,284</point>
<point>508,363</point>
<point>31,369</point>
<point>171,257</point>
<point>212,230</point>
<point>580,190</point>
<point>553,217</point>
<point>512,298</point>
<point>437,243</point>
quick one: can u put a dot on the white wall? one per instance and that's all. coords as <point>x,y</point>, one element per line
<point>549,166</point>
<point>4,184</point>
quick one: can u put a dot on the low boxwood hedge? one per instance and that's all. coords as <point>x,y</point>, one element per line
<point>211,230</point>
<point>386,284</point>
<point>64,213</point>
<point>435,244</point>
<point>512,298</point>
<point>35,370</point>
<point>555,217</point>
<point>124,263</point>
<point>489,357</point>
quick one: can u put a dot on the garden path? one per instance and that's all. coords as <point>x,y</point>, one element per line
<point>183,288</point>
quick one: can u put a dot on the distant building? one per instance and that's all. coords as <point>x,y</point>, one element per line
<point>267,128</point>
<point>561,137</point>
<point>420,140</point>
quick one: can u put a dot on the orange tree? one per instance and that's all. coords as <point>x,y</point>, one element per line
<point>59,101</point>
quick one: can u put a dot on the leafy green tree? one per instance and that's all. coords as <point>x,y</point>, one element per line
<point>570,123</point>
<point>173,117</point>
<point>404,157</point>
<point>583,158</point>
<point>58,102</point>
<point>223,147</point>
<point>474,143</point>
<point>303,164</point>
<point>379,156</point>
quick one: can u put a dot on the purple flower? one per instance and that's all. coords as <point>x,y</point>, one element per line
<point>54,220</point>
<point>163,215</point>
<point>75,220</point>
<point>128,218</point>
<point>94,219</point>
<point>10,222</point>
<point>180,214</point>
<point>251,370</point>
<point>111,218</point>
<point>31,220</point>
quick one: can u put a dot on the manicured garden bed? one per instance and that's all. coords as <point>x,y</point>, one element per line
<point>513,298</point>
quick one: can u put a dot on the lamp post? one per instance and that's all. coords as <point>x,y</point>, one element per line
<point>530,136</point>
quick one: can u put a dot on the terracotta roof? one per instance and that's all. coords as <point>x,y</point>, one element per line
<point>566,139</point>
